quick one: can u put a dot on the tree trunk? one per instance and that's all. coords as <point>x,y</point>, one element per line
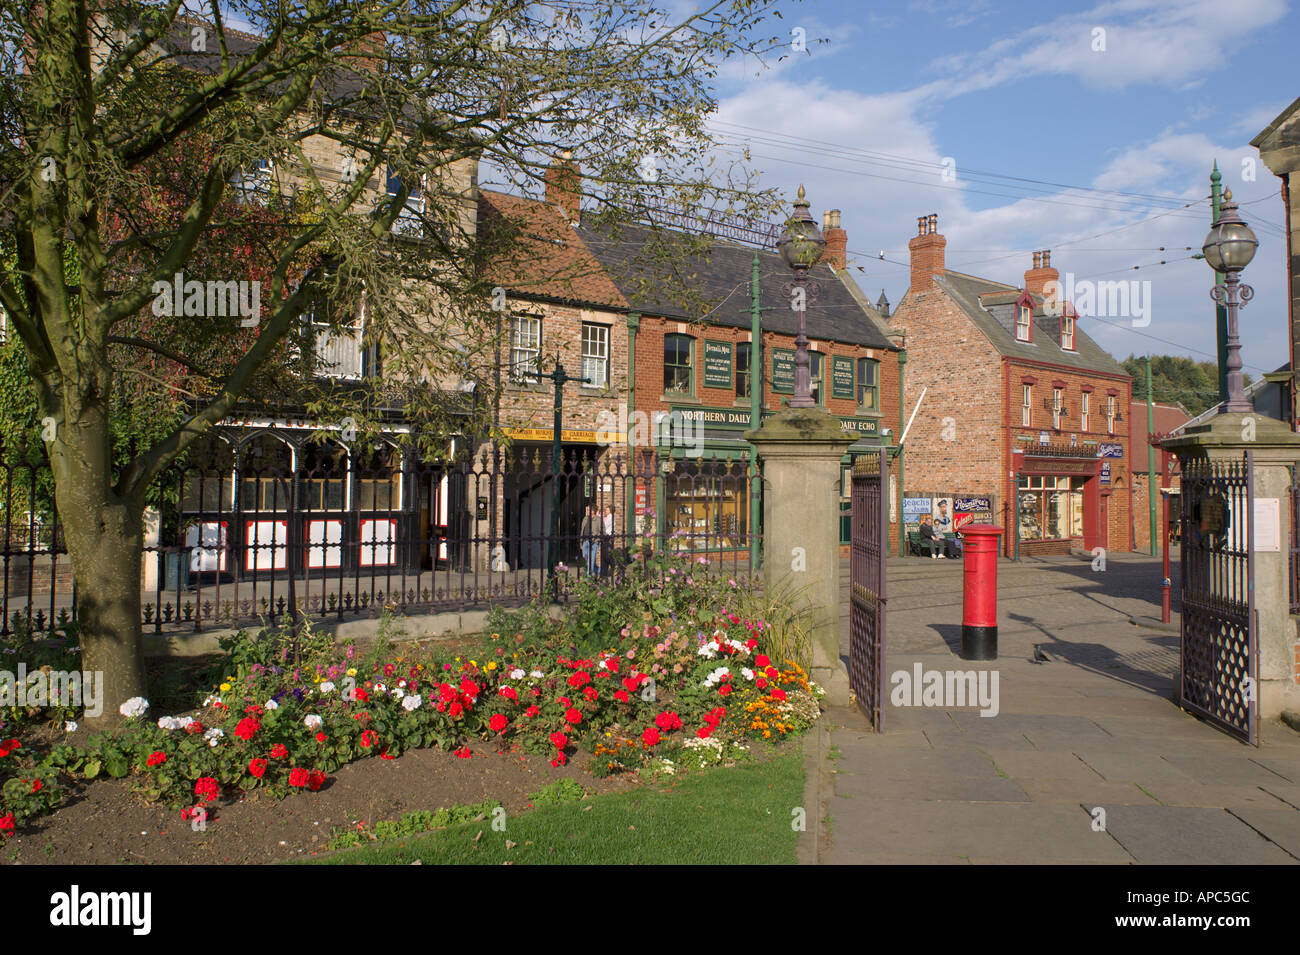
<point>105,538</point>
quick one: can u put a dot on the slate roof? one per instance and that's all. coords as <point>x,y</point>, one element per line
<point>990,306</point>
<point>546,258</point>
<point>721,278</point>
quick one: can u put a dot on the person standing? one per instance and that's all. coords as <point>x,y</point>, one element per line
<point>588,532</point>
<point>607,542</point>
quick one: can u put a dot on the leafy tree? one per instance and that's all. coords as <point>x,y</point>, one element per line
<point>1193,384</point>
<point>130,133</point>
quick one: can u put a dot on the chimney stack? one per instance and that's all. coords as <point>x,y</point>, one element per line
<point>927,252</point>
<point>836,253</point>
<point>368,52</point>
<point>1042,273</point>
<point>564,186</point>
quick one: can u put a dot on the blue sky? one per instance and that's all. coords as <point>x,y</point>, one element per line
<point>1134,116</point>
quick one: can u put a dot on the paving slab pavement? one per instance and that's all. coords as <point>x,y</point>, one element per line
<point>1093,727</point>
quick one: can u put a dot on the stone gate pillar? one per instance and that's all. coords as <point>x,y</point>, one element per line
<point>800,450</point>
<point>1276,448</point>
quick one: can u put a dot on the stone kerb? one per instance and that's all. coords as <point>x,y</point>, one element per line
<point>800,450</point>
<point>1275,450</point>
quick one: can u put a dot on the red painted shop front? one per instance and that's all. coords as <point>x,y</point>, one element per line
<point>1060,503</point>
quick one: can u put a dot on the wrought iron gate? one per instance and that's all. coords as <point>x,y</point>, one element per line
<point>867,586</point>
<point>1218,657</point>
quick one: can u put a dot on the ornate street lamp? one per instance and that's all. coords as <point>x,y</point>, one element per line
<point>1228,248</point>
<point>801,248</point>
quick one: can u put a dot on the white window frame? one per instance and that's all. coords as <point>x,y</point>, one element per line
<point>1085,409</point>
<point>256,184</point>
<point>1024,322</point>
<point>1067,332</point>
<point>525,355</point>
<point>598,357</point>
<point>1110,414</point>
<point>1027,405</point>
<point>410,221</point>
<point>1058,403</point>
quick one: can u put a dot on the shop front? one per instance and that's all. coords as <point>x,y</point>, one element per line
<point>1059,503</point>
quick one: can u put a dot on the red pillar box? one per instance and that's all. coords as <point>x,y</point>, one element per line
<point>979,620</point>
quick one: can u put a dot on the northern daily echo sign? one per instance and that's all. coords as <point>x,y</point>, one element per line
<point>739,418</point>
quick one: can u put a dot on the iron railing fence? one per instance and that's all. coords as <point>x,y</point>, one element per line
<point>242,535</point>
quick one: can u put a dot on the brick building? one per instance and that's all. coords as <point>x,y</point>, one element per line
<point>1019,405</point>
<point>700,373</point>
<point>1165,419</point>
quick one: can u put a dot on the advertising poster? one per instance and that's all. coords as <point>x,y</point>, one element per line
<point>942,515</point>
<point>914,508</point>
<point>969,509</point>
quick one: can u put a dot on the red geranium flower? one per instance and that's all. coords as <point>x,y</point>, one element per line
<point>631,683</point>
<point>321,737</point>
<point>446,693</point>
<point>7,823</point>
<point>704,732</point>
<point>207,788</point>
<point>559,760</point>
<point>247,728</point>
<point>621,696</point>
<point>36,785</point>
<point>360,694</point>
<point>761,683</point>
<point>573,716</point>
<point>559,740</point>
<point>257,768</point>
<point>464,753</point>
<point>668,720</point>
<point>314,779</point>
<point>591,693</point>
<point>156,758</point>
<point>579,679</point>
<point>778,694</point>
<point>509,693</point>
<point>531,711</point>
<point>368,738</point>
<point>279,751</point>
<point>455,710</point>
<point>762,661</point>
<point>650,737</point>
<point>564,701</point>
<point>469,688</point>
<point>298,777</point>
<point>498,722</point>
<point>194,728</point>
<point>724,690</point>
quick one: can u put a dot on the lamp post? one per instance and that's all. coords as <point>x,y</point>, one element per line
<point>1229,247</point>
<point>801,246</point>
<point>560,377</point>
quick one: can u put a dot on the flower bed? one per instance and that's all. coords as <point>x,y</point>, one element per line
<point>691,682</point>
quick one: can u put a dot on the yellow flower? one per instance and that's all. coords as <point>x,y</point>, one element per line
<point>492,665</point>
<point>352,671</point>
<point>224,688</point>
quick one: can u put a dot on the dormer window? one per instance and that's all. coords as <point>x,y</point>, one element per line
<point>1067,331</point>
<point>1024,315</point>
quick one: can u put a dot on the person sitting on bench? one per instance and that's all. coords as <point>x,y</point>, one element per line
<point>930,539</point>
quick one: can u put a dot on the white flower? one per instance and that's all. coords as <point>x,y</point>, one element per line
<point>214,741</point>
<point>747,673</point>
<point>380,688</point>
<point>272,705</point>
<point>716,676</point>
<point>326,687</point>
<point>214,735</point>
<point>402,684</point>
<point>537,674</point>
<point>168,723</point>
<point>70,726</point>
<point>410,703</point>
<point>183,722</point>
<point>211,700</point>
<point>134,707</point>
<point>517,674</point>
<point>398,692</point>
<point>707,650</point>
<point>312,721</point>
